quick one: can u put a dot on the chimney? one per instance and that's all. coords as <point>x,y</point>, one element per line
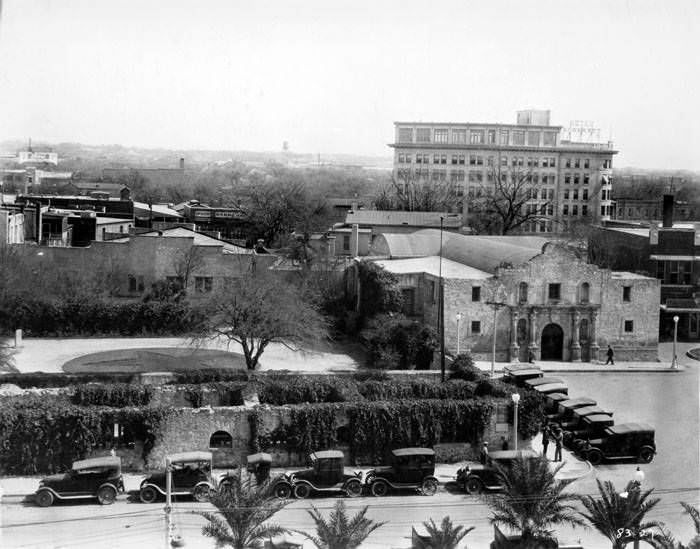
<point>668,211</point>
<point>355,241</point>
<point>182,163</point>
<point>331,246</point>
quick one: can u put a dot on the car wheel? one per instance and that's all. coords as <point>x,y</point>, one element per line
<point>283,491</point>
<point>429,487</point>
<point>201,493</point>
<point>44,498</point>
<point>379,488</point>
<point>646,455</point>
<point>302,491</point>
<point>106,495</point>
<point>594,457</point>
<point>148,494</point>
<point>474,486</point>
<point>353,488</point>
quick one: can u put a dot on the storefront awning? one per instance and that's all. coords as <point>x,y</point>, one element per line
<point>680,306</point>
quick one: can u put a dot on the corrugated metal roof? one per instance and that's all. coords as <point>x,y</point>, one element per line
<point>431,265</point>
<point>410,219</point>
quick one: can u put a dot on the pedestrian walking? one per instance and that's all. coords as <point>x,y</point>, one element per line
<point>483,456</point>
<point>558,440</point>
<point>611,355</point>
<point>504,443</point>
<point>545,439</point>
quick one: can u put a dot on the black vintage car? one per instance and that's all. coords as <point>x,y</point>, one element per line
<point>565,410</point>
<point>518,376</point>
<point>259,465</point>
<point>536,382</point>
<point>576,421</point>
<point>191,475</point>
<point>327,475</point>
<point>626,441</point>
<point>591,427</point>
<point>410,469</point>
<point>552,400</point>
<point>548,388</point>
<point>99,478</point>
<point>475,478</point>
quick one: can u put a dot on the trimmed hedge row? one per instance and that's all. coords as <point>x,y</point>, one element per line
<point>53,318</point>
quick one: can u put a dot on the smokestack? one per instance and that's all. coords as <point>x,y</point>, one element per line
<point>182,163</point>
<point>668,211</point>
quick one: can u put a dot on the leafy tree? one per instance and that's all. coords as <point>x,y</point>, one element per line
<point>7,356</point>
<point>412,191</point>
<point>258,309</point>
<point>532,502</point>
<point>396,342</point>
<point>620,519</point>
<point>667,541</point>
<point>341,531</point>
<point>447,536</point>
<point>243,508</point>
<point>507,200</point>
<point>379,290</point>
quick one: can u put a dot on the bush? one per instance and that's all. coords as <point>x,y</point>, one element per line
<point>44,380</point>
<point>117,395</point>
<point>395,342</point>
<point>209,375</point>
<point>463,367</point>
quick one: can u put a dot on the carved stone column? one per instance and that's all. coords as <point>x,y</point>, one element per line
<point>514,348</point>
<point>575,343</point>
<point>533,348</point>
<point>594,338</point>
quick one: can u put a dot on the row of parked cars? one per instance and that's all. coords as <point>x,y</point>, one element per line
<point>588,430</point>
<point>101,478</point>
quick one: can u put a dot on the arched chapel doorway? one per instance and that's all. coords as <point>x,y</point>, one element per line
<point>552,342</point>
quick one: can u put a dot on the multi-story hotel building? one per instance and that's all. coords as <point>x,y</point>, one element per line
<point>569,169</point>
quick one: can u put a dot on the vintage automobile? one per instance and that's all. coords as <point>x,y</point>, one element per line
<point>520,375</point>
<point>624,441</point>
<point>259,466</point>
<point>552,388</point>
<point>536,382</point>
<point>326,475</point>
<point>191,475</point>
<point>576,421</point>
<point>410,469</point>
<point>592,426</point>
<point>565,410</point>
<point>477,477</point>
<point>552,400</point>
<point>99,478</point>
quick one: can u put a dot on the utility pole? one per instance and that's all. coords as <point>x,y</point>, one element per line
<point>441,310</point>
<point>168,502</point>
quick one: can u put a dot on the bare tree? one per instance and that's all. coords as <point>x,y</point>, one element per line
<point>510,198</point>
<point>186,262</point>
<point>258,309</point>
<point>412,191</point>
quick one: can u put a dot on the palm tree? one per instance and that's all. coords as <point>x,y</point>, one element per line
<point>667,541</point>
<point>242,509</point>
<point>445,537</point>
<point>620,517</point>
<point>340,531</point>
<point>532,501</point>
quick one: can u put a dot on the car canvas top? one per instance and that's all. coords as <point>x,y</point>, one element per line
<point>185,457</point>
<point>580,402</point>
<point>260,457</point>
<point>551,388</point>
<point>598,418</point>
<point>556,397</point>
<point>590,410</point>
<point>327,454</point>
<point>94,463</point>
<point>514,369</point>
<point>413,452</point>
<point>625,428</point>
<point>542,381</point>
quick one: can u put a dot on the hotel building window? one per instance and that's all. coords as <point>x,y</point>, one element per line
<point>489,161</point>
<point>461,159</point>
<point>533,139</point>
<point>423,135</point>
<point>549,139</point>
<point>575,194</point>
<point>574,209</point>
<point>577,162</point>
<point>576,179</point>
<point>459,137</point>
<point>436,159</point>
<point>586,163</point>
<point>586,179</point>
<point>454,159</point>
<point>504,137</point>
<point>476,137</point>
<point>584,210</point>
<point>491,139</point>
<point>405,135</point>
<point>585,194</point>
<point>518,137</point>
<point>568,162</point>
<point>440,136</point>
<point>565,209</point>
<point>504,161</point>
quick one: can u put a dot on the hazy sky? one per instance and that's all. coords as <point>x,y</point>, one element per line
<point>333,76</point>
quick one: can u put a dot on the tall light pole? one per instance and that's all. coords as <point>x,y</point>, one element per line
<point>459,319</point>
<point>498,294</point>
<point>168,502</point>
<point>441,309</point>
<point>674,362</point>
<point>516,401</point>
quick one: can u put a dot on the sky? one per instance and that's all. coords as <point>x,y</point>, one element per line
<point>332,76</point>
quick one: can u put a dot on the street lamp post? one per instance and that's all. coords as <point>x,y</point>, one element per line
<point>674,362</point>
<point>441,310</point>
<point>516,401</point>
<point>459,319</point>
<point>496,303</point>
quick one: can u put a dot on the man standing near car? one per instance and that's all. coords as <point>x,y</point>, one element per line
<point>483,456</point>
<point>558,440</point>
<point>545,439</point>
